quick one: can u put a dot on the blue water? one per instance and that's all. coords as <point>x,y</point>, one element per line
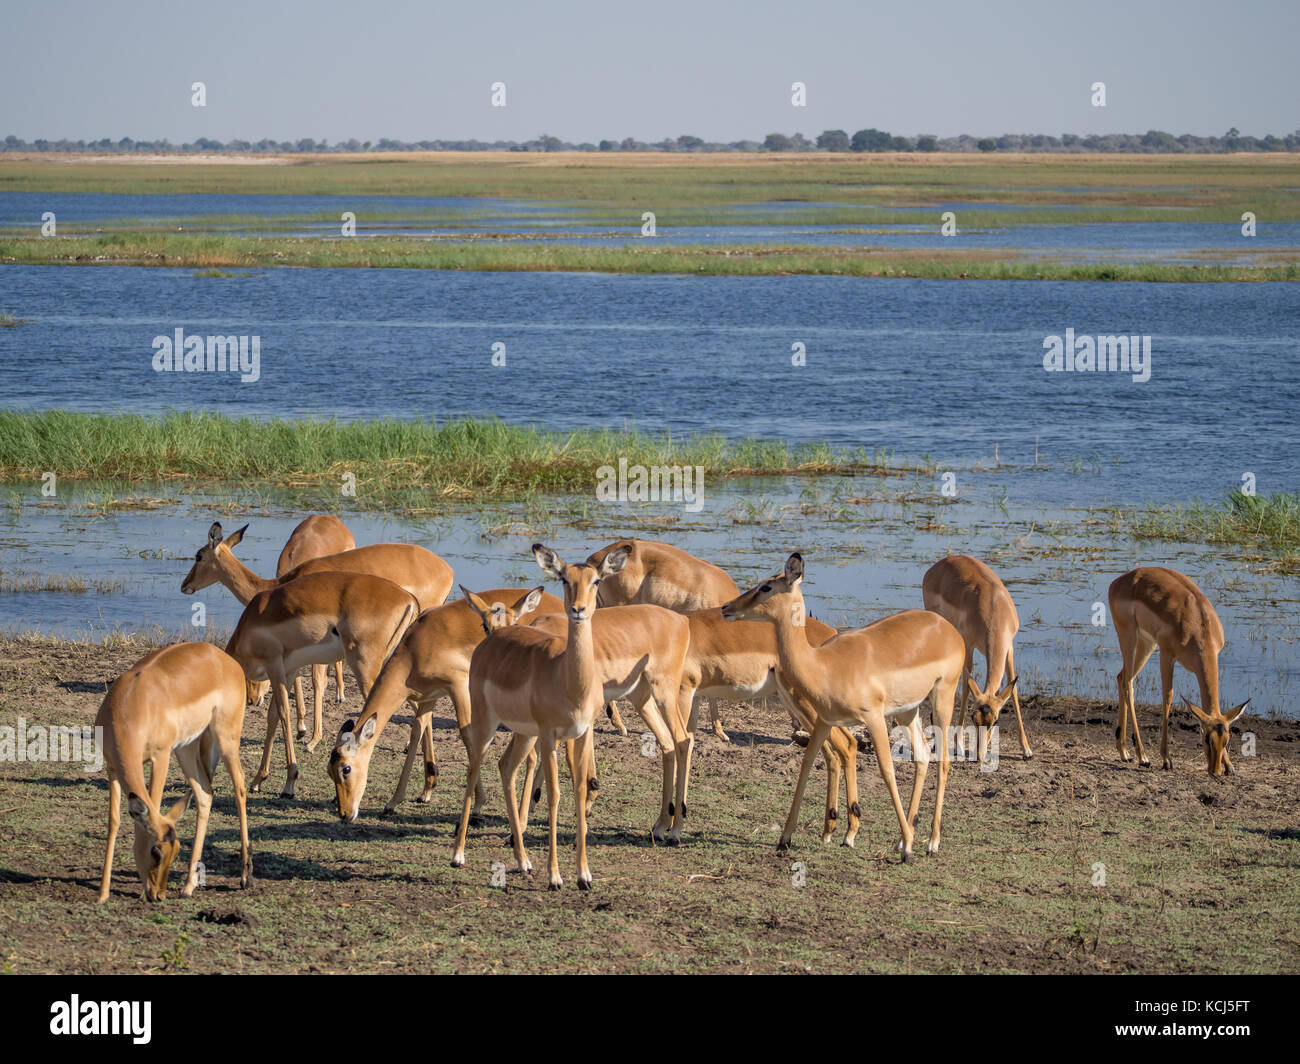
<point>947,369</point>
<point>477,217</point>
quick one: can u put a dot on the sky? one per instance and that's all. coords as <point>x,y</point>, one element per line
<point>583,71</point>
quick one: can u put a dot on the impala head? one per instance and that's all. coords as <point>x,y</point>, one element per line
<point>494,615</point>
<point>580,581</point>
<point>988,706</point>
<point>207,568</point>
<point>775,597</point>
<point>349,765</point>
<point>156,844</point>
<point>1216,728</point>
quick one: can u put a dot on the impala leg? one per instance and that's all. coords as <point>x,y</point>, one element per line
<point>820,733</point>
<point>846,747</point>
<point>300,703</point>
<point>549,766</point>
<point>477,737</point>
<point>114,819</point>
<point>519,746</point>
<point>1167,704</point>
<point>230,755</point>
<point>531,796</point>
<point>1145,653</point>
<point>280,692</point>
<point>412,749</point>
<point>615,718</point>
<point>1015,701</point>
<point>272,722</point>
<point>966,671</point>
<point>669,813</point>
<point>833,768</point>
<point>338,681</point>
<point>430,757</point>
<point>319,678</point>
<point>459,693</point>
<point>585,758</point>
<point>942,719</point>
<point>196,771</point>
<point>920,765</point>
<point>879,734</point>
<point>158,777</point>
<point>715,717</point>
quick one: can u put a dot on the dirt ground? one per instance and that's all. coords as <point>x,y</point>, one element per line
<point>1070,862</point>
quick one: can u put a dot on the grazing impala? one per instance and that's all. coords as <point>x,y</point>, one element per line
<point>870,675</point>
<point>547,688</point>
<point>358,617</point>
<point>187,698</point>
<point>738,660</point>
<point>318,536</point>
<point>1153,607</point>
<point>969,595</point>
<point>419,571</point>
<point>657,574</point>
<point>432,659</point>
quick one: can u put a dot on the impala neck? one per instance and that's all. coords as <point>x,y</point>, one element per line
<point>580,662</point>
<point>792,648</point>
<point>1209,682</point>
<point>239,578</point>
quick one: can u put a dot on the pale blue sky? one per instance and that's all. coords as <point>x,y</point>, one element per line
<point>587,69</point>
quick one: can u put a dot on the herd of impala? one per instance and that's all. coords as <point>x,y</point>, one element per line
<point>638,620</point>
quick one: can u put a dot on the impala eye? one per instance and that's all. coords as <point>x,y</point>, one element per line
<point>765,588</point>
<point>346,770</point>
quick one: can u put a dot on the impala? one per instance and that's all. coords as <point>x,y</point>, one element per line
<point>640,654</point>
<point>969,594</point>
<point>738,660</point>
<point>547,688</point>
<point>318,536</point>
<point>432,659</point>
<point>871,676</point>
<point>658,574</point>
<point>316,619</point>
<point>1153,607</point>
<point>419,571</point>
<point>187,698</point>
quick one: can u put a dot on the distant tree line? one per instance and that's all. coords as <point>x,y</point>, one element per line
<point>1154,141</point>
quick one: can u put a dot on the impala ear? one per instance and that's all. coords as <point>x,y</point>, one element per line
<point>236,537</point>
<point>178,809</point>
<point>214,534</point>
<point>1236,711</point>
<point>1201,715</point>
<point>974,687</point>
<point>138,810</point>
<point>475,603</point>
<point>794,567</point>
<point>529,602</point>
<point>1005,693</point>
<point>550,561</point>
<point>368,730</point>
<point>614,561</point>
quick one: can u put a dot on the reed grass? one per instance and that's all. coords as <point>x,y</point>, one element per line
<point>228,251</point>
<point>394,461</point>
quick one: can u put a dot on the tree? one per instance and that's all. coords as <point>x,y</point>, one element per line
<point>870,140</point>
<point>987,145</point>
<point>777,142</point>
<point>833,140</point>
<point>927,143</point>
<point>608,145</point>
<point>686,143</point>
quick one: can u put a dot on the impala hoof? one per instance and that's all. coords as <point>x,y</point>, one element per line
<point>555,884</point>
<point>286,794</point>
<point>1167,764</point>
<point>848,842</point>
<point>584,882</point>
<point>475,820</point>
<point>457,860</point>
<point>907,857</point>
<point>1145,763</point>
<point>782,845</point>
